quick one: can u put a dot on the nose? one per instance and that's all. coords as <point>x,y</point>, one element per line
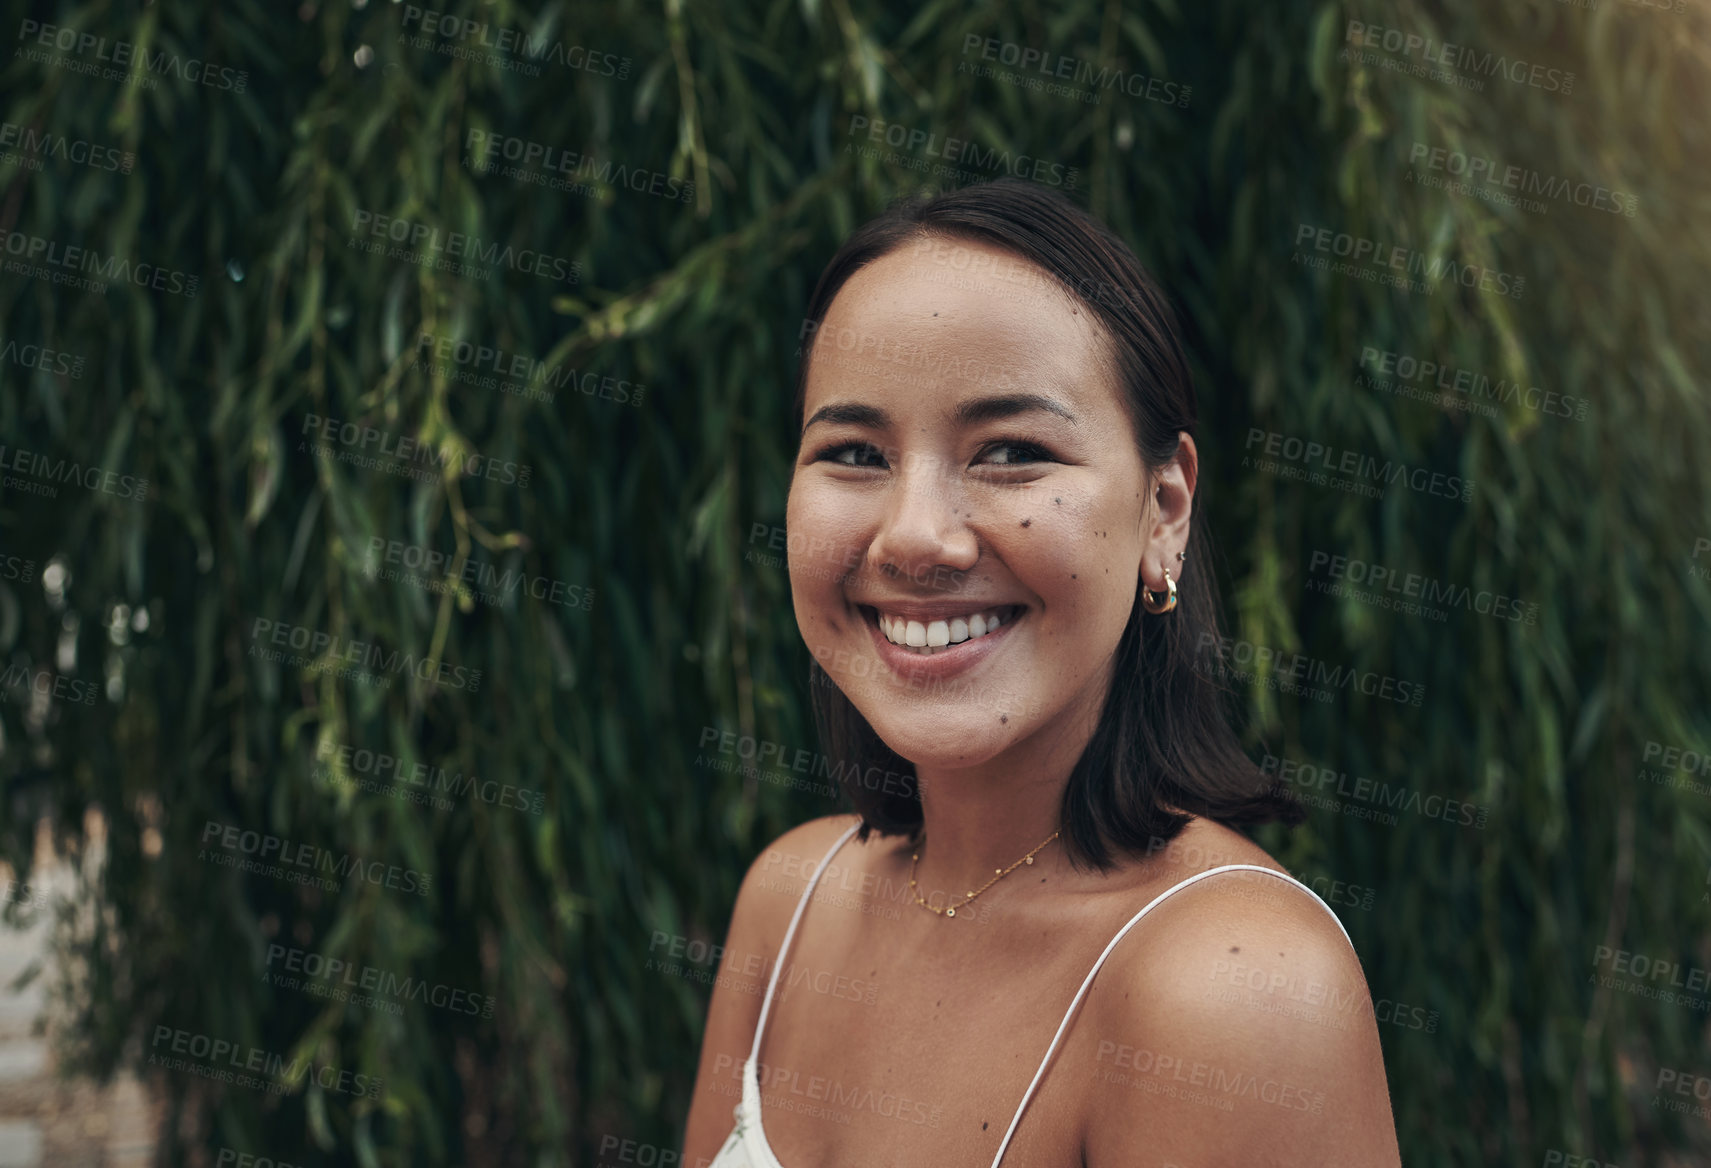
<point>925,530</point>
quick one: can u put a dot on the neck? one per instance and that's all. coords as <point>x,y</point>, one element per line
<point>980,819</point>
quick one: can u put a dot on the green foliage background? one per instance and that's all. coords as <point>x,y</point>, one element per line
<point>653,507</point>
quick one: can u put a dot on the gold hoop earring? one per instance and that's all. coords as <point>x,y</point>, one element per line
<point>1152,606</point>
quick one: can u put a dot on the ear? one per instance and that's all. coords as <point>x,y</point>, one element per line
<point>1173,501</point>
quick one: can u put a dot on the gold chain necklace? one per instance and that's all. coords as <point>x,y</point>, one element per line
<point>950,910</point>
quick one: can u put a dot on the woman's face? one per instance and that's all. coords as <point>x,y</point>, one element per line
<point>965,455</point>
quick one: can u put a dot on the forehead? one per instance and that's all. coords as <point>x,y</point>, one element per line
<point>940,313</point>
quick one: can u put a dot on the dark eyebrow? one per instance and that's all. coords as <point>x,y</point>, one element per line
<point>850,414</point>
<point>991,409</point>
<point>980,409</point>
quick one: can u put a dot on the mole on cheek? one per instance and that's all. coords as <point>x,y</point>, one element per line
<point>1025,522</point>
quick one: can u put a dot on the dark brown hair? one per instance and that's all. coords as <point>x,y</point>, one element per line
<point>1163,745</point>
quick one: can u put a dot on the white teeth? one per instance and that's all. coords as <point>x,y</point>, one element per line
<point>932,636</point>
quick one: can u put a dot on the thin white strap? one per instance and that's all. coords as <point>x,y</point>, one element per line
<point>790,934</point>
<point>1082,992</point>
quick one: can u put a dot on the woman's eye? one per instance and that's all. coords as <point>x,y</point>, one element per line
<point>865,455</point>
<point>851,454</point>
<point>1016,453</point>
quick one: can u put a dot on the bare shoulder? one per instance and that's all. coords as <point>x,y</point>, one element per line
<point>783,868</point>
<point>1234,1024</point>
<point>765,901</point>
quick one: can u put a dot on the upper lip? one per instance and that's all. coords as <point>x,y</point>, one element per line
<point>932,610</point>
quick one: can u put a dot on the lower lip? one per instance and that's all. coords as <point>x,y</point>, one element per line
<point>947,662</point>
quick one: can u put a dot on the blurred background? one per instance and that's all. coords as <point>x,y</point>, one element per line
<point>394,410</point>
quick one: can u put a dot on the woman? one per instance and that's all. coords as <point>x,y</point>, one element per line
<point>1051,948</point>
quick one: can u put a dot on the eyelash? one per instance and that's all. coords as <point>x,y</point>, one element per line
<point>1033,450</point>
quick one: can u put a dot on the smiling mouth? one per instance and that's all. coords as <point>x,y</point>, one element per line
<point>927,638</point>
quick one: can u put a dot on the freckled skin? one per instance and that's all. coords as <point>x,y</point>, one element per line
<point>934,505</point>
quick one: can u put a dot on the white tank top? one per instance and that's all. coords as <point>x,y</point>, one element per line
<point>746,1147</point>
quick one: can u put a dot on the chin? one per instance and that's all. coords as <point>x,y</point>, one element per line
<point>941,739</point>
<point>948,730</point>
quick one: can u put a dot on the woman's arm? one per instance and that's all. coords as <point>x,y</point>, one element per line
<point>1238,1034</point>
<point>765,902</point>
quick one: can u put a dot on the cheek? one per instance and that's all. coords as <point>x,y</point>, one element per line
<point>824,540</point>
<point>1080,552</point>
<point>1075,539</point>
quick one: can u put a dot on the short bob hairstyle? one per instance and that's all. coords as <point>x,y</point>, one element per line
<point>1163,749</point>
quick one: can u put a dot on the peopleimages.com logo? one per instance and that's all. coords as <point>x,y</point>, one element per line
<point>494,367</point>
<point>367,447</point>
<point>335,977</point>
<point>1306,776</point>
<point>1463,64</point>
<point>955,152</point>
<point>122,55</point>
<point>33,255</point>
<point>1387,587</point>
<point>1024,61</point>
<point>453,251</point>
<point>486,151</point>
<point>272,855</point>
<point>321,651</point>
<point>1481,174</point>
<point>382,773</point>
<point>31,144</point>
<point>47,686</point>
<point>36,472</point>
<point>1389,258</point>
<point>1320,463</point>
<point>240,1057</point>
<point>32,356</point>
<point>1392,371</point>
<point>487,582</point>
<point>1298,673</point>
<point>232,1158</point>
<point>454,29</point>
